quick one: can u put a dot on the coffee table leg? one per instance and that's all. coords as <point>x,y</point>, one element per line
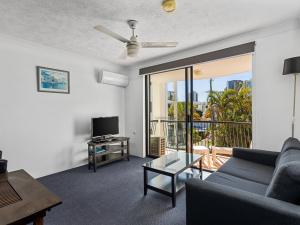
<point>201,170</point>
<point>145,181</point>
<point>174,191</point>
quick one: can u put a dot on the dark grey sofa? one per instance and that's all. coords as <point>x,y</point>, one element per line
<point>254,187</point>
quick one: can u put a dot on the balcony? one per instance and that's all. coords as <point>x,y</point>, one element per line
<point>212,139</point>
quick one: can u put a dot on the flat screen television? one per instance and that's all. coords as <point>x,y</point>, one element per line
<point>105,126</point>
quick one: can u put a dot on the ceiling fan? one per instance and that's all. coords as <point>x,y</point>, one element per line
<point>132,44</point>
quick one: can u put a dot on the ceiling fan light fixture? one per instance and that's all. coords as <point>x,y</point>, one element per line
<point>132,50</point>
<point>169,5</point>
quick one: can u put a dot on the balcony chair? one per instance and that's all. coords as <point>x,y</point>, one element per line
<point>220,150</point>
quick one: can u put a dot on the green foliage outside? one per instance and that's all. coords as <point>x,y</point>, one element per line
<point>231,105</point>
<point>181,117</point>
<point>225,106</point>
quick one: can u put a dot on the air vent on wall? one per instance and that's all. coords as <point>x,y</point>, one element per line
<point>106,77</point>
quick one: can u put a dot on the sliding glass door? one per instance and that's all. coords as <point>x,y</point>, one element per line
<point>205,109</point>
<point>169,112</point>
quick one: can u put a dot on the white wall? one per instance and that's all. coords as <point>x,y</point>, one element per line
<point>44,133</point>
<point>134,121</point>
<point>273,101</point>
<point>272,92</point>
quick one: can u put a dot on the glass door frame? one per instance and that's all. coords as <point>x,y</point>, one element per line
<point>188,110</point>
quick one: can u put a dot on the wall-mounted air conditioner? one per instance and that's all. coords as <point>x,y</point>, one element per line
<point>106,77</point>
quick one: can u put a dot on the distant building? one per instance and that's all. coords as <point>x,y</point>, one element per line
<point>201,106</point>
<point>171,95</point>
<point>248,83</point>
<point>195,96</point>
<point>234,84</point>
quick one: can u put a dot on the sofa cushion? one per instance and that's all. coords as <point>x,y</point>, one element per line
<point>285,184</point>
<point>290,143</point>
<point>248,170</point>
<point>290,155</point>
<point>236,182</point>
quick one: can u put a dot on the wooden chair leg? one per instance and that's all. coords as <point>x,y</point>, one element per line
<point>208,160</point>
<point>38,220</point>
<point>214,156</point>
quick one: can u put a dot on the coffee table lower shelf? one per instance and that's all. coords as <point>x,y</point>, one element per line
<point>164,183</point>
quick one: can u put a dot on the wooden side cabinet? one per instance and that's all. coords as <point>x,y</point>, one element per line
<point>101,153</point>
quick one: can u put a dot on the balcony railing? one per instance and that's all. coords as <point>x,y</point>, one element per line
<point>205,133</point>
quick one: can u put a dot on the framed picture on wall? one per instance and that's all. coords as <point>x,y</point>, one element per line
<point>53,80</point>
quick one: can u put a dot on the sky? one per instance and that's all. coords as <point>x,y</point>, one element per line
<point>202,86</point>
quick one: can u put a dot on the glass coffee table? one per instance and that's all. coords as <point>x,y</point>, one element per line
<point>173,171</point>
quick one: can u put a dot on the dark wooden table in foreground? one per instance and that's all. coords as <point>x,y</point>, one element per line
<point>24,200</point>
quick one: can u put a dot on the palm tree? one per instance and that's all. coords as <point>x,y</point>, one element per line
<point>230,105</point>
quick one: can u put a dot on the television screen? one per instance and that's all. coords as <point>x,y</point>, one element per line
<point>105,126</point>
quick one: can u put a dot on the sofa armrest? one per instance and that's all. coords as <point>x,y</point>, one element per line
<point>256,155</point>
<point>210,203</point>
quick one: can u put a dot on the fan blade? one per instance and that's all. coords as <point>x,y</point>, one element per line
<point>158,44</point>
<point>111,33</point>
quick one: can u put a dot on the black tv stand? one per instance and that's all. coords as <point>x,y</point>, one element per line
<point>101,152</point>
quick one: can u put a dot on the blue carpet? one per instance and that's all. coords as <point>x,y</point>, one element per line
<point>111,196</point>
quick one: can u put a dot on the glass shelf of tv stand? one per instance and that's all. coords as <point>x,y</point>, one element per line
<point>110,149</point>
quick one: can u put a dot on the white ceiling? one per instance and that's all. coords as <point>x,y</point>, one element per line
<point>68,24</point>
